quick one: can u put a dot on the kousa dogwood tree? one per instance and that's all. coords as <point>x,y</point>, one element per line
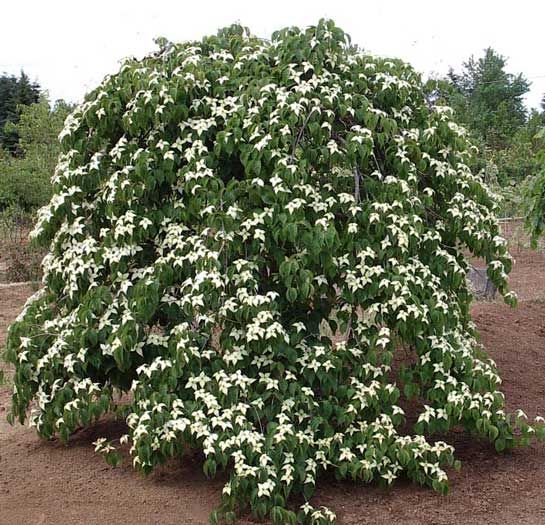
<point>244,236</point>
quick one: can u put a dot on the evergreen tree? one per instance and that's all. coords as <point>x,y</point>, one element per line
<point>488,100</point>
<point>14,92</point>
<point>8,87</point>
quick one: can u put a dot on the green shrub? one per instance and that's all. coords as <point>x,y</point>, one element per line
<point>25,179</point>
<point>216,206</point>
<point>24,184</point>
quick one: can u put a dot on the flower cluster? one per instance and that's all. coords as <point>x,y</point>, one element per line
<point>242,235</point>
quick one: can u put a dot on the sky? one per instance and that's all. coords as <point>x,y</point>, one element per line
<point>69,46</point>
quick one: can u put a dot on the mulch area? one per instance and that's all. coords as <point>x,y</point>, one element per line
<point>48,483</point>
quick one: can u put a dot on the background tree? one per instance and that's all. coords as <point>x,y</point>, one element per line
<point>534,194</point>
<point>14,93</point>
<point>489,102</point>
<point>25,177</point>
<point>492,101</point>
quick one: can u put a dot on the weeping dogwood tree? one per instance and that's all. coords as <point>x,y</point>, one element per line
<point>244,235</point>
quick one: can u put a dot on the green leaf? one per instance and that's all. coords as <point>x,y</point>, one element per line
<point>500,444</point>
<point>292,295</point>
<point>113,458</point>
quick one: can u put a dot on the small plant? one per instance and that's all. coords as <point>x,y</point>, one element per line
<point>215,207</point>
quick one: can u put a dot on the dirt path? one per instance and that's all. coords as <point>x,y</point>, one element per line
<point>47,483</point>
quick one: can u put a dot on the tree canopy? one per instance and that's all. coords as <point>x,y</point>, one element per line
<point>14,92</point>
<point>491,101</point>
<point>243,234</point>
<point>25,177</point>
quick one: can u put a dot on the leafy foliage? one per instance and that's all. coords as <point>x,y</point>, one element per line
<point>534,195</point>
<point>14,92</point>
<point>26,176</point>
<point>491,101</point>
<point>243,234</point>
<point>519,160</point>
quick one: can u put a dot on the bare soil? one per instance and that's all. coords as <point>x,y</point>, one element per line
<point>48,483</point>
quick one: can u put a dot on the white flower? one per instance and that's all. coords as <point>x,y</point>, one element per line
<point>389,477</point>
<point>299,326</point>
<point>295,204</point>
<point>332,147</point>
<point>99,444</point>
<point>263,142</point>
<point>346,454</point>
<point>521,414</point>
<point>265,489</point>
<point>259,234</point>
<point>276,180</point>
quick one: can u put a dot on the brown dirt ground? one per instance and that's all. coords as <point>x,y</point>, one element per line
<point>48,483</point>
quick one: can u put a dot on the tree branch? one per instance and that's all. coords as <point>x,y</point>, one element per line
<point>300,134</point>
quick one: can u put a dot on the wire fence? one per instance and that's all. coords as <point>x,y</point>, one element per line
<point>20,261</point>
<point>514,231</point>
